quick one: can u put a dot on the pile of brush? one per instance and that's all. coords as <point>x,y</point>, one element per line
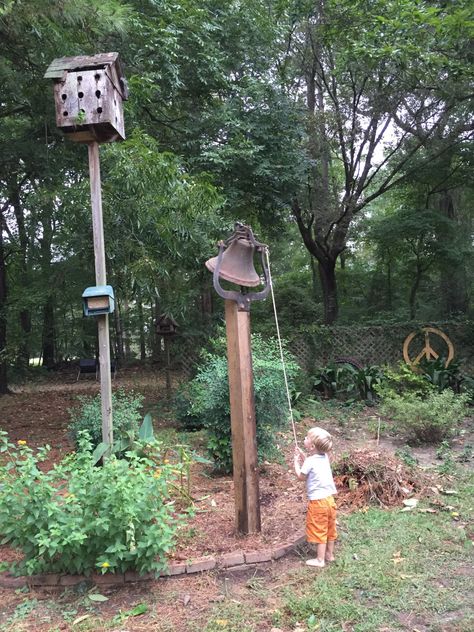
<point>365,477</point>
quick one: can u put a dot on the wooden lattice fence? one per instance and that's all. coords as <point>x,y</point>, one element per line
<point>367,345</point>
<point>378,344</point>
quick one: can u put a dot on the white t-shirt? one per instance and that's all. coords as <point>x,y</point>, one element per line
<point>319,480</point>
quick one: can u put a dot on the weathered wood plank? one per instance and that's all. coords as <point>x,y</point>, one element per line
<point>243,424</point>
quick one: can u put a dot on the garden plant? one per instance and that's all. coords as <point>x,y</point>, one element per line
<point>79,518</point>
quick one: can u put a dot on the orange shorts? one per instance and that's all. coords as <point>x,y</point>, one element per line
<point>321,520</point>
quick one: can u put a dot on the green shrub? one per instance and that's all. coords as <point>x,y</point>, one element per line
<point>441,376</point>
<point>212,406</point>
<point>77,518</point>
<point>126,417</point>
<point>430,419</point>
<point>347,382</point>
<point>403,380</point>
<point>187,406</point>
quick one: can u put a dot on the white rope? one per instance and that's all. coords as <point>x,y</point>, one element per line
<point>281,349</point>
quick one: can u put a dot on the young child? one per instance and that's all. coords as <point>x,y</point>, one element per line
<point>315,469</point>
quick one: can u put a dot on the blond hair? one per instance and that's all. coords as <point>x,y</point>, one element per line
<point>320,439</point>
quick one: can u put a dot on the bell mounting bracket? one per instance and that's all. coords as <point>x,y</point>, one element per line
<point>243,298</point>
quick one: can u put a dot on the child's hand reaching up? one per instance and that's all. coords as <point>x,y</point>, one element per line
<point>299,455</point>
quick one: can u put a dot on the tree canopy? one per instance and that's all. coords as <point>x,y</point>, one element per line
<point>341,130</point>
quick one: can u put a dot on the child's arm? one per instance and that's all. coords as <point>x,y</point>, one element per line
<point>299,459</point>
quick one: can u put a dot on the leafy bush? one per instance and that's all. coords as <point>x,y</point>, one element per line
<point>126,417</point>
<point>348,382</point>
<point>331,381</point>
<point>77,518</point>
<point>430,419</point>
<point>211,401</point>
<point>451,376</point>
<point>403,380</point>
<point>187,405</point>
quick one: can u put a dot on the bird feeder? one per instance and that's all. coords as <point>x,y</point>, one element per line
<point>88,95</point>
<point>98,300</point>
<point>166,326</point>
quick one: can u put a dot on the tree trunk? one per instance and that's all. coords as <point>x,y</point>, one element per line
<point>126,332</point>
<point>206,304</point>
<point>141,325</point>
<point>25,315</point>
<point>119,352</point>
<point>453,284</point>
<point>48,334</point>
<point>315,282</point>
<point>414,290</point>
<point>327,275</point>
<point>388,288</point>
<point>156,347</point>
<point>3,315</point>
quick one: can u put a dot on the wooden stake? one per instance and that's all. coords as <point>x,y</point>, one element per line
<point>100,279</point>
<point>242,415</point>
<point>168,367</point>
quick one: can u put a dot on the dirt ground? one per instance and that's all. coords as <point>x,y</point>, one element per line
<point>39,414</point>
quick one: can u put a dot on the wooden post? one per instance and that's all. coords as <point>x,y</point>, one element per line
<point>168,367</point>
<point>242,415</point>
<point>100,279</point>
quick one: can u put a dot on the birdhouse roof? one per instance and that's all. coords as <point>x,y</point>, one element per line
<point>58,67</point>
<point>168,320</point>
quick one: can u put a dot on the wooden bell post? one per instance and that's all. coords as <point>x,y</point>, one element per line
<point>235,263</point>
<point>88,95</point>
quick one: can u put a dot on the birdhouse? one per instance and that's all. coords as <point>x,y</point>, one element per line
<point>98,300</point>
<point>166,326</point>
<point>88,94</point>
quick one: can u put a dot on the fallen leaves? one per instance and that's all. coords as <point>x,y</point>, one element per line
<point>98,597</point>
<point>397,557</point>
<point>410,503</point>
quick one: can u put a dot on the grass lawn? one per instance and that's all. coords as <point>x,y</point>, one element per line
<point>395,570</point>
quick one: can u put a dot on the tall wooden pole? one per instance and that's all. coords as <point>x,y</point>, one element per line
<point>100,279</point>
<point>242,417</point>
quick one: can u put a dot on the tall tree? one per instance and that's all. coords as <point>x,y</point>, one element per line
<point>28,141</point>
<point>380,80</point>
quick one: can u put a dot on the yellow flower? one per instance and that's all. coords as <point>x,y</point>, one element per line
<point>157,474</point>
<point>166,461</point>
<point>21,442</point>
<point>105,565</point>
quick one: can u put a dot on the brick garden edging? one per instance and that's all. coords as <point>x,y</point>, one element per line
<point>236,560</point>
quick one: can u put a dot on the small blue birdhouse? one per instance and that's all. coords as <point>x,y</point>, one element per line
<point>98,300</point>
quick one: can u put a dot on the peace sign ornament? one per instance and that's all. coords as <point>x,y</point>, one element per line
<point>427,351</point>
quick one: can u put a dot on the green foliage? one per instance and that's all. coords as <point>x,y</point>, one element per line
<point>403,380</point>
<point>445,454</point>
<point>347,382</point>
<point>76,517</point>
<point>426,376</point>
<point>212,406</point>
<point>187,405</point>
<point>126,417</point>
<point>441,376</point>
<point>407,456</point>
<point>430,419</point>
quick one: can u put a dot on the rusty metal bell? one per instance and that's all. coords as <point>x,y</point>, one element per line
<point>237,264</point>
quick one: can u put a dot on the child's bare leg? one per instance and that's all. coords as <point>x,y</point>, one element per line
<point>320,553</point>
<point>329,556</point>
